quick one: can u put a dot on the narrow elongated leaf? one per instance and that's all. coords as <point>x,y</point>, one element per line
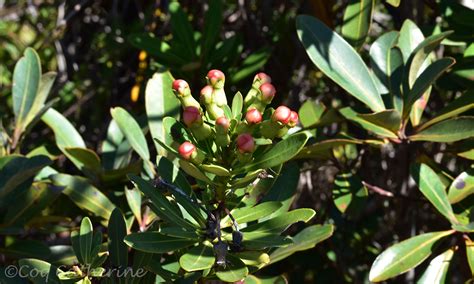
<point>304,240</point>
<point>389,119</point>
<point>84,195</point>
<point>433,189</point>
<point>85,158</point>
<point>253,258</point>
<point>234,271</point>
<point>458,106</point>
<point>158,48</point>
<point>350,114</point>
<point>64,132</point>
<point>85,240</point>
<point>170,173</point>
<point>438,268</point>
<point>39,271</point>
<point>258,240</point>
<point>130,128</point>
<point>357,20</point>
<point>118,251</point>
<point>26,80</point>
<point>212,26</point>
<point>154,242</point>
<point>462,186</point>
<point>38,107</point>
<point>349,193</point>
<point>251,64</point>
<point>26,248</point>
<point>280,153</point>
<point>160,102</point>
<point>404,256</point>
<point>198,258</point>
<point>338,60</point>
<point>394,3</point>
<point>237,104</point>
<point>181,28</point>
<point>164,207</point>
<point>116,151</point>
<point>424,81</point>
<point>251,279</point>
<point>470,255</point>
<point>380,57</point>
<point>248,214</point>
<point>322,150</point>
<point>310,113</point>
<point>450,130</point>
<point>281,222</point>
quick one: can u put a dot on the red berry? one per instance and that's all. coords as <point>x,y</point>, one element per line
<point>282,114</point>
<point>245,143</point>
<point>214,76</point>
<point>263,78</point>
<point>253,116</point>
<point>180,85</point>
<point>268,91</point>
<point>186,150</point>
<point>191,115</point>
<point>223,122</point>
<point>293,119</point>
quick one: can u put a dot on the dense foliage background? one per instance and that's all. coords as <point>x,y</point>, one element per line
<point>104,55</point>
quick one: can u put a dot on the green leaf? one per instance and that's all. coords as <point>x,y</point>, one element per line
<point>462,186</point>
<point>181,28</point>
<point>357,21</point>
<point>65,133</point>
<point>349,193</point>
<point>389,119</point>
<point>253,258</point>
<point>134,200</point>
<point>116,151</point>
<point>215,169</point>
<point>18,170</point>
<point>310,113</point>
<point>304,240</point>
<point>76,246</point>
<point>118,251</point>
<point>450,130</point>
<point>26,80</point>
<point>234,271</point>
<point>470,254</point>
<point>39,271</point>
<point>251,64</point>
<point>437,270</point>
<point>198,258</point>
<point>154,242</point>
<point>459,105</point>
<point>279,153</point>
<point>193,171</point>
<point>323,150</point>
<point>251,279</point>
<point>387,64</point>
<point>394,3</point>
<point>338,60</point>
<point>160,50</point>
<point>84,158</point>
<point>404,256</point>
<point>85,240</point>
<point>433,189</point>
<point>259,241</point>
<point>130,128</point>
<point>84,195</point>
<point>424,81</point>
<point>348,113</point>
<point>281,222</point>
<point>251,213</point>
<point>160,102</point>
<point>237,104</point>
<point>212,27</point>
<point>25,248</point>
<point>164,207</point>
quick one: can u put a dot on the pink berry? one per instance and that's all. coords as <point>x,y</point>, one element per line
<point>223,122</point>
<point>268,91</point>
<point>263,78</point>
<point>245,143</point>
<point>206,91</point>
<point>253,116</point>
<point>282,114</point>
<point>191,115</point>
<point>186,150</point>
<point>215,76</point>
<point>180,85</point>
<point>293,118</point>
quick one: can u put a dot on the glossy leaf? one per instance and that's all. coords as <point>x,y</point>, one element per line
<point>438,269</point>
<point>247,214</point>
<point>84,195</point>
<point>348,193</point>
<point>84,158</point>
<point>404,256</point>
<point>234,271</point>
<point>198,258</point>
<point>322,150</point>
<point>154,242</point>
<point>461,187</point>
<point>251,64</point>
<point>65,133</point>
<point>348,113</point>
<point>85,240</point>
<point>388,119</point>
<point>212,26</point>
<point>281,222</point>
<point>306,239</point>
<point>279,153</point>
<point>433,189</point>
<point>262,240</point>
<point>130,128</point>
<point>39,271</point>
<point>134,200</point>
<point>164,207</point>
<point>237,105</point>
<point>160,102</point>
<point>394,3</point>
<point>357,21</point>
<point>253,258</point>
<point>450,130</point>
<point>470,254</point>
<point>182,28</point>
<point>338,60</point>
<point>310,113</point>
<point>118,251</point>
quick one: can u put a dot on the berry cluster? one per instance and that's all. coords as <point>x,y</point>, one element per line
<point>211,121</point>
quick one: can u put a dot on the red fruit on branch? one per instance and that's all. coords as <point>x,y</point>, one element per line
<point>223,122</point>
<point>179,86</point>
<point>263,78</point>
<point>191,115</point>
<point>206,94</point>
<point>293,119</point>
<point>253,116</point>
<point>186,150</point>
<point>282,114</point>
<point>268,92</point>
<point>245,143</point>
<point>216,78</point>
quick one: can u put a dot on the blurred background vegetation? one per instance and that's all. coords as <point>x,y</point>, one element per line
<point>105,51</point>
